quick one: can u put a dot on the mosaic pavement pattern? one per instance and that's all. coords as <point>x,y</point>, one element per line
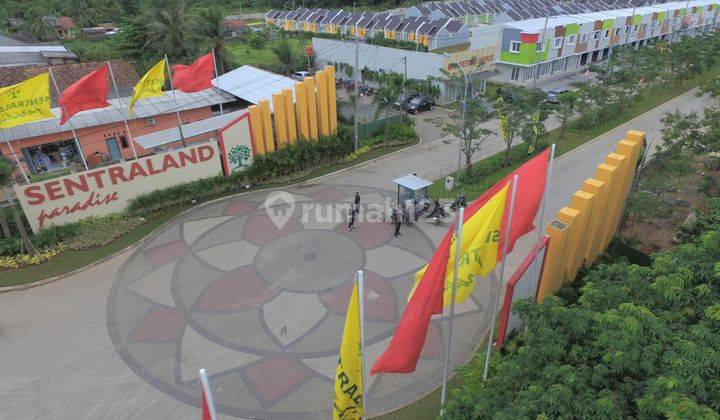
<point>262,308</point>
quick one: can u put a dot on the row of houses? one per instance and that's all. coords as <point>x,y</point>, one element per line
<point>544,48</point>
<point>432,33</point>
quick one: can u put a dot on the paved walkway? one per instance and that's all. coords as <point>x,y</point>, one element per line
<point>260,307</point>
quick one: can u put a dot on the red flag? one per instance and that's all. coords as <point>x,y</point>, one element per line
<point>404,349</point>
<point>195,77</point>
<point>90,92</point>
<point>205,408</point>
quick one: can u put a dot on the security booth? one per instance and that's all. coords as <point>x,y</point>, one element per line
<point>411,188</point>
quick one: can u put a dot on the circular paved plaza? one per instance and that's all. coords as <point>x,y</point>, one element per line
<point>255,291</point>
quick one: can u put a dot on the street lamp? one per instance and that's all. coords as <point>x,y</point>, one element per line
<point>464,107</point>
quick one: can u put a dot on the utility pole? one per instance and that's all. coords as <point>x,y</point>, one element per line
<point>464,122</point>
<point>539,52</point>
<point>356,146</point>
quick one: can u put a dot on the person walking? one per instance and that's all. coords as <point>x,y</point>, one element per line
<point>398,222</point>
<point>351,218</point>
<point>357,199</point>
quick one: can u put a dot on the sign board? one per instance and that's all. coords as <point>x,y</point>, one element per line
<point>470,59</point>
<point>520,287</point>
<point>236,145</point>
<point>106,190</point>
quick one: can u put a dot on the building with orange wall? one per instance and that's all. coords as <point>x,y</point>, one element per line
<point>45,146</point>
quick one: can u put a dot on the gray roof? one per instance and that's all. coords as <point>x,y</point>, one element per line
<point>171,135</point>
<point>144,108</point>
<point>7,41</point>
<point>412,182</point>
<point>253,84</point>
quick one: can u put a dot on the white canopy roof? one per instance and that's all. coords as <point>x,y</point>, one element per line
<point>412,182</point>
<point>171,135</point>
<point>253,84</point>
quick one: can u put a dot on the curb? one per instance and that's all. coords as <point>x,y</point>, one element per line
<point>135,244</point>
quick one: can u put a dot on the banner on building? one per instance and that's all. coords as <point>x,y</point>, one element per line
<point>236,145</point>
<point>520,286</point>
<point>109,189</point>
<point>25,102</point>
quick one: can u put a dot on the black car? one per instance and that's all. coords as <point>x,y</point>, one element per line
<point>553,96</point>
<point>402,104</point>
<point>420,103</point>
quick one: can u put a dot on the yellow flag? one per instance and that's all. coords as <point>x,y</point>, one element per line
<point>480,238</point>
<point>347,400</point>
<point>150,85</point>
<point>25,102</point>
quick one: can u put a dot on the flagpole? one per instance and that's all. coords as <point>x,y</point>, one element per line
<point>77,142</point>
<point>361,304</point>
<point>496,294</point>
<point>217,79</point>
<point>458,254</point>
<point>117,95</point>
<point>548,174</point>
<point>205,383</point>
<point>177,108</point>
<point>12,150</point>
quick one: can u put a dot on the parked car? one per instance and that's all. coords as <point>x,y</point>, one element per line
<point>552,96</point>
<point>301,75</point>
<point>402,104</point>
<point>420,103</point>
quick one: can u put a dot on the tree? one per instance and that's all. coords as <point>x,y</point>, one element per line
<point>212,34</point>
<point>6,180</point>
<point>469,130</point>
<point>516,112</point>
<point>565,109</point>
<point>167,28</point>
<point>288,57</point>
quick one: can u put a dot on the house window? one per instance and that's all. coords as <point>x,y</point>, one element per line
<point>644,27</point>
<point>635,29</point>
<point>539,47</point>
<point>557,43</point>
<point>627,29</point>
<point>652,25</point>
<point>607,33</point>
<point>515,74</point>
<point>514,46</point>
<point>123,142</point>
<point>571,39</point>
<point>584,37</point>
<point>596,35</point>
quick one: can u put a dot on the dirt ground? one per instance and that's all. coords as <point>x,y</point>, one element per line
<point>664,199</point>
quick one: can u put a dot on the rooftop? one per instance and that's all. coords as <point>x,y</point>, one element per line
<point>192,129</point>
<point>253,84</point>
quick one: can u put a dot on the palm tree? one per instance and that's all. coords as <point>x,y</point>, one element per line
<point>383,100</point>
<point>288,57</point>
<point>34,22</point>
<point>212,33</point>
<point>167,27</point>
<point>78,9</point>
<point>6,180</point>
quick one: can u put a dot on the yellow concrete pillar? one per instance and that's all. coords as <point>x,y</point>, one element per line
<point>570,217</point>
<point>301,110</point>
<point>551,279</point>
<point>625,173</point>
<point>280,119</point>
<point>608,174</point>
<point>268,137</point>
<point>599,190</point>
<point>312,107</point>
<point>332,99</point>
<point>582,201</point>
<point>322,102</point>
<point>290,116</point>
<point>256,128</point>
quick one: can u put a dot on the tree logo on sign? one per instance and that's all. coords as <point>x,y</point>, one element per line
<point>239,154</point>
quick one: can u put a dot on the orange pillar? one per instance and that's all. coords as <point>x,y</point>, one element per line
<point>332,99</point>
<point>322,101</point>
<point>581,201</point>
<point>256,128</point>
<point>607,174</point>
<point>570,217</point>
<point>551,280</point>
<point>301,110</point>
<point>268,137</point>
<point>280,123</point>
<point>290,115</point>
<point>598,189</point>
<point>312,107</point>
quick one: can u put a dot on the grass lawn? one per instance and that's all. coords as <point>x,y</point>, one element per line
<point>264,58</point>
<point>71,260</point>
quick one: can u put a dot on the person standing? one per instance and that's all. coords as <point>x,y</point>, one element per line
<point>351,218</point>
<point>357,200</point>
<point>398,222</point>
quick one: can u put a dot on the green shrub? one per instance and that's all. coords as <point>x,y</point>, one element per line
<point>100,231</point>
<point>50,175</point>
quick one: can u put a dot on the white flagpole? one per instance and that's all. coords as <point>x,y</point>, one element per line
<point>361,304</point>
<point>208,393</point>
<point>548,174</point>
<point>177,108</point>
<point>17,160</point>
<point>496,294</point>
<point>217,79</point>
<point>458,254</point>
<point>117,95</point>
<point>77,142</point>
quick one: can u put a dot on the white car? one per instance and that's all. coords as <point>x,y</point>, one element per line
<point>301,75</point>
